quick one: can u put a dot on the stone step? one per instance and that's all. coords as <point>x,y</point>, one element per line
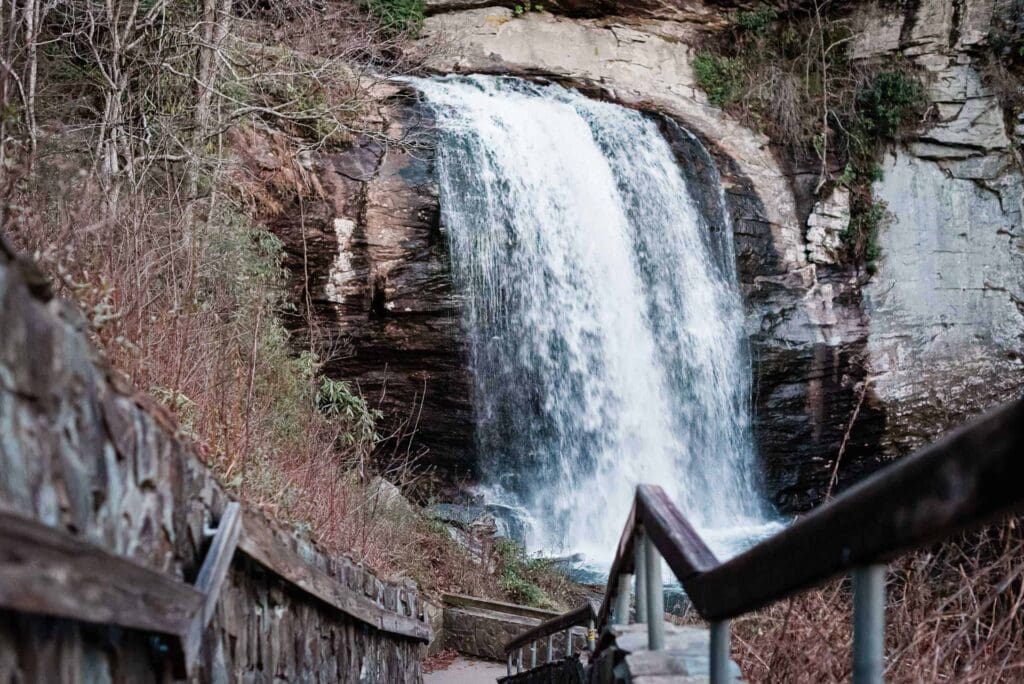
<point>684,658</point>
<point>481,628</point>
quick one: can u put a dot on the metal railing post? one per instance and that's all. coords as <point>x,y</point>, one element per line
<point>551,648</point>
<point>568,643</point>
<point>533,654</point>
<point>622,600</point>
<point>508,665</point>
<point>655,597</point>
<point>868,624</point>
<point>640,561</point>
<point>591,637</point>
<point>720,652</point>
<point>519,661</point>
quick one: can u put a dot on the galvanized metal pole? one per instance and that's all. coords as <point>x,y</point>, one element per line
<point>868,624</point>
<point>568,643</point>
<point>720,652</point>
<point>519,661</point>
<point>551,648</point>
<point>508,665</point>
<point>591,637</point>
<point>622,600</point>
<point>640,560</point>
<point>655,598</point>
<point>533,654</point>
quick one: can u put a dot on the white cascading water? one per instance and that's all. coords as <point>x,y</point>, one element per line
<point>604,316</point>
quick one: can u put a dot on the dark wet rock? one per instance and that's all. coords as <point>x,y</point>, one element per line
<point>504,521</point>
<point>381,293</point>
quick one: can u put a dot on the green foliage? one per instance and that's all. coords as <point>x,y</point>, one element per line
<point>867,217</point>
<point>518,573</point>
<point>888,102</point>
<point>867,223</point>
<point>521,9</point>
<point>178,402</point>
<point>307,96</point>
<point>336,400</point>
<point>885,105</point>
<point>398,16</point>
<point>758,21</point>
<point>788,75</point>
<point>720,77</point>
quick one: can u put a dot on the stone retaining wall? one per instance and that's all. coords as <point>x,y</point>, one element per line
<point>81,451</point>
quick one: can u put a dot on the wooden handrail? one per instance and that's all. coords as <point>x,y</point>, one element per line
<point>49,571</point>
<point>267,545</point>
<point>683,549</point>
<point>968,478</point>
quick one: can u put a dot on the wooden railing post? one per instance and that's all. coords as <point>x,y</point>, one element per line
<point>640,572</point>
<point>622,600</point>
<point>720,652</point>
<point>655,597</point>
<point>868,624</point>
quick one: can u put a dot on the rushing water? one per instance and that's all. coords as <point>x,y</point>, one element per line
<point>604,316</point>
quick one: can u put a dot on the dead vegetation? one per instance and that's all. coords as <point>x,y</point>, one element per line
<point>121,175</point>
<point>953,616</point>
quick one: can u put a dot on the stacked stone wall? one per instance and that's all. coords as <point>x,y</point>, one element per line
<point>82,452</point>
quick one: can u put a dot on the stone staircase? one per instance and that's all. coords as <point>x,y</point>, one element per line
<point>481,628</point>
<point>684,658</point>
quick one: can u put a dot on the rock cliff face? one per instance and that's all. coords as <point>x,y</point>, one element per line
<point>395,303</point>
<point>945,310</point>
<point>370,271</point>
<point>870,369</point>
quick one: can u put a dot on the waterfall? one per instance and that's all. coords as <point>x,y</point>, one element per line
<point>603,313</point>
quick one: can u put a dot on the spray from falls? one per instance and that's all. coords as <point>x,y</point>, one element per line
<point>603,312</point>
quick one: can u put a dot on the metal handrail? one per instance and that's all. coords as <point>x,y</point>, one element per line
<point>965,479</point>
<point>584,616</point>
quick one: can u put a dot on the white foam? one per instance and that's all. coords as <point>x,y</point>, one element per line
<point>606,331</point>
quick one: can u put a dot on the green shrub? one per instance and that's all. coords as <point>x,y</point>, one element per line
<point>397,16</point>
<point>517,574</point>
<point>889,102</point>
<point>788,74</point>
<point>521,9</point>
<point>720,77</point>
<point>336,400</point>
<point>867,218</point>
<point>757,21</point>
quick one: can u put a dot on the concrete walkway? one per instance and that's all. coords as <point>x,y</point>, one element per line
<point>467,671</point>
